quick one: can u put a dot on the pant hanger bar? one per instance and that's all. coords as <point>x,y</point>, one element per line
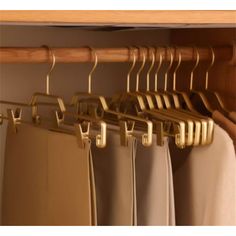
<point>82,54</point>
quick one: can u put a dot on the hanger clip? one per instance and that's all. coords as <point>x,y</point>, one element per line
<point>178,135</point>
<point>82,133</point>
<point>59,118</point>
<point>102,136</point>
<point>35,116</point>
<point>159,133</point>
<point>126,130</point>
<point>147,137</point>
<point>14,118</point>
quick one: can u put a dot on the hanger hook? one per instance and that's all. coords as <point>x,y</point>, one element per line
<point>158,67</point>
<point>169,67</point>
<point>140,69</point>
<point>53,59</point>
<point>151,66</point>
<point>95,56</point>
<point>195,66</point>
<point>131,51</point>
<point>208,69</point>
<point>176,68</point>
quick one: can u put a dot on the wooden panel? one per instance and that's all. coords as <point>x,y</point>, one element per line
<point>119,17</point>
<point>222,76</point>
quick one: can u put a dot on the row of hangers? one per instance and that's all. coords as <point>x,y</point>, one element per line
<point>163,112</point>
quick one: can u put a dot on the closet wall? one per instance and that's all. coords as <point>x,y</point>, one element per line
<point>222,76</point>
<point>19,81</point>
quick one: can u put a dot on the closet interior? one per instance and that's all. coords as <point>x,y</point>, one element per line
<point>45,64</point>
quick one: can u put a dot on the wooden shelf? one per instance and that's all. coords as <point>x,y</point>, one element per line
<point>144,18</point>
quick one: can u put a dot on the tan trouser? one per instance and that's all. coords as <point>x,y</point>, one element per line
<point>115,181</point>
<point>48,179</point>
<point>205,182</point>
<point>155,194</point>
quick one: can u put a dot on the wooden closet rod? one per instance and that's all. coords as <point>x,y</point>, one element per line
<point>83,54</point>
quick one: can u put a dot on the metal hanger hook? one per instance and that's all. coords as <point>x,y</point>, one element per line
<point>158,67</point>
<point>195,66</point>
<point>169,67</point>
<point>176,68</point>
<point>131,51</point>
<point>140,69</point>
<point>95,56</point>
<point>151,66</point>
<point>208,69</point>
<point>53,59</point>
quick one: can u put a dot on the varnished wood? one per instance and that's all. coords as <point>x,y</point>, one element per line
<point>73,55</point>
<point>118,17</point>
<point>222,76</point>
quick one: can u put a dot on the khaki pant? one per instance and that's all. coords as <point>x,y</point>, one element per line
<point>155,197</point>
<point>115,181</point>
<point>48,179</point>
<point>205,182</point>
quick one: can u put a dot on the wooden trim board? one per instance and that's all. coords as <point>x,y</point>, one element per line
<point>150,17</point>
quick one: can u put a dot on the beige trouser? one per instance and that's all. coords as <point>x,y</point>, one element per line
<point>115,181</point>
<point>48,179</point>
<point>205,182</point>
<point>155,194</point>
